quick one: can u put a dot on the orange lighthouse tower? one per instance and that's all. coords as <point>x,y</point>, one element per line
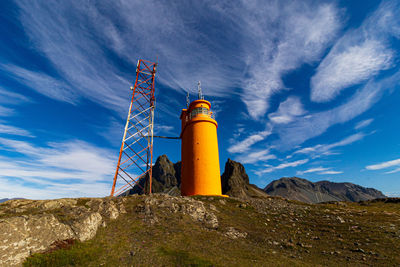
<point>200,158</point>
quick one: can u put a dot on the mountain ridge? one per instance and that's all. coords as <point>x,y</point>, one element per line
<point>300,189</point>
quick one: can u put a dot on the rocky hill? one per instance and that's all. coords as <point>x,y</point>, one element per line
<point>6,199</point>
<point>235,182</point>
<point>29,226</point>
<point>303,190</point>
<point>162,230</point>
<point>166,178</point>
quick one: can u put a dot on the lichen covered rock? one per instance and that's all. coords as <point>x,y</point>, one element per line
<point>24,235</point>
<point>185,205</point>
<point>31,226</point>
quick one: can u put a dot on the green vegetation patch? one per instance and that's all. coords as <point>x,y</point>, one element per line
<point>184,258</point>
<point>80,254</point>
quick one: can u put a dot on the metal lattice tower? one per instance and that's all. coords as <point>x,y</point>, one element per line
<point>136,154</point>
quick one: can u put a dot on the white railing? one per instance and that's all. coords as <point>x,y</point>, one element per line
<point>200,111</point>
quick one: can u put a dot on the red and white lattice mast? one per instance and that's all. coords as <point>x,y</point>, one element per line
<point>136,154</point>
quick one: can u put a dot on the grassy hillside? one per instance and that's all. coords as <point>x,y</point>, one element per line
<point>167,231</point>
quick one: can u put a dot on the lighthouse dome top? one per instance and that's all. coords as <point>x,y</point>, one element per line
<point>200,103</point>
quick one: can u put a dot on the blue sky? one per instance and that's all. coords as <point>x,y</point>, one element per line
<point>300,88</point>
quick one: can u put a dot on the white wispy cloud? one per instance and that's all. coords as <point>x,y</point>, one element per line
<point>4,112</point>
<point>63,169</point>
<point>392,194</point>
<point>287,111</point>
<point>296,33</point>
<point>331,172</point>
<point>393,171</point>
<point>363,123</point>
<point>42,83</point>
<point>112,130</point>
<point>8,100</point>
<point>265,41</point>
<point>74,39</point>
<point>268,40</point>
<point>255,157</point>
<point>354,65</point>
<point>244,145</point>
<point>184,48</point>
<point>385,165</point>
<point>239,131</point>
<point>79,156</point>
<point>78,50</point>
<point>217,107</point>
<point>163,129</point>
<point>314,124</point>
<point>282,166</point>
<point>319,170</point>
<point>50,190</point>
<point>13,130</point>
<point>8,97</point>
<point>359,55</point>
<point>309,125</point>
<point>326,149</point>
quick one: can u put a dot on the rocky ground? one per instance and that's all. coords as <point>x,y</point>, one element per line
<point>162,230</point>
<point>31,226</point>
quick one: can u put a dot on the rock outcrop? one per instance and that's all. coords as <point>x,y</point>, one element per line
<point>30,226</point>
<point>303,190</point>
<point>6,199</point>
<point>235,182</point>
<point>196,209</point>
<point>35,226</point>
<point>166,178</point>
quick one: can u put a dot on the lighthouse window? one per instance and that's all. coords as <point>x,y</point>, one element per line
<point>197,111</point>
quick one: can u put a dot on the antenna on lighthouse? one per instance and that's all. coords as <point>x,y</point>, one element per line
<point>187,100</point>
<point>199,90</point>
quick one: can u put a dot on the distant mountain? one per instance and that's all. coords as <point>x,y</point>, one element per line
<point>303,190</point>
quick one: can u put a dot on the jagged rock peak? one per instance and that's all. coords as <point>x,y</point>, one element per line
<point>165,178</point>
<point>235,169</point>
<point>164,171</point>
<point>163,160</point>
<point>235,182</point>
